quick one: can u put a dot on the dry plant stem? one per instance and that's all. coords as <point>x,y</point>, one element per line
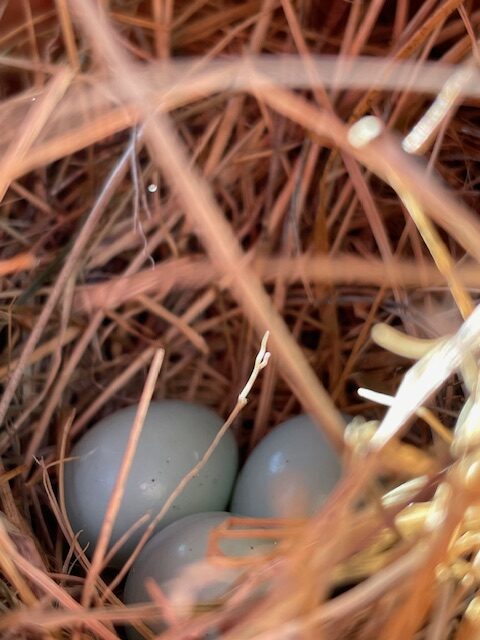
<point>410,616</point>
<point>114,179</point>
<point>53,401</point>
<point>33,125</point>
<point>372,93</point>
<point>119,486</point>
<point>398,342</point>
<point>168,153</point>
<point>261,362</point>
<point>426,376</point>
<point>401,16</point>
<point>67,32</point>
<point>235,105</point>
<point>271,376</point>
<point>113,388</point>
<point>350,602</point>
<point>48,585</point>
<point>32,198</point>
<point>162,16</point>
<point>26,64</point>
<point>404,52</point>
<point>115,548</point>
<point>371,211</point>
<point>405,99</point>
<point>469,27</point>
<point>53,346</point>
<point>423,133</point>
<point>359,344</point>
<point>417,22</point>
<point>182,327</point>
<point>207,25</point>
<point>6,476</point>
<point>222,76</point>
<point>327,526</point>
<point>383,156</point>
<point>20,262</point>
<point>193,311</point>
<point>439,253</point>
<point>199,626</point>
<point>43,351</point>
<point>423,413</point>
<point>31,36</point>
<point>441,612</point>
<point>366,26</point>
<point>403,176</point>
<point>191,273</point>
<point>469,625</point>
<point>60,512</point>
<point>58,619</point>
<point>11,572</point>
<point>58,507</point>
<point>37,399</point>
<point>297,34</point>
<point>9,505</point>
<point>66,373</point>
<point>157,596</point>
<point>349,31</point>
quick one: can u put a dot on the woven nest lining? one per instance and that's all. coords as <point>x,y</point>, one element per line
<point>180,178</point>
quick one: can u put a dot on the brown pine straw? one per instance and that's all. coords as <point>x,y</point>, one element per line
<point>191,273</point>
<point>121,480</point>
<point>224,251</point>
<point>250,193</point>
<point>104,118</point>
<point>20,262</point>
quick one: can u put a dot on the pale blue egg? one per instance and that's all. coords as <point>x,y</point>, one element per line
<point>174,438</point>
<point>290,473</point>
<point>179,545</point>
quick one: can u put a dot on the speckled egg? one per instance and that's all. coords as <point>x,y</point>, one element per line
<point>174,548</point>
<point>174,438</point>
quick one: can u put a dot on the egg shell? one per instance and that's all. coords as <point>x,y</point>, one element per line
<point>174,438</point>
<point>180,544</point>
<point>290,472</point>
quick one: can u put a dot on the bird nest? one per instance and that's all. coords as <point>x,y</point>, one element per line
<point>182,180</point>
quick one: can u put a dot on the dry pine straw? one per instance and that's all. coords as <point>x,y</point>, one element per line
<point>150,204</point>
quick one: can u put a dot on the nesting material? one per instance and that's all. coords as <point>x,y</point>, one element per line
<point>177,179</point>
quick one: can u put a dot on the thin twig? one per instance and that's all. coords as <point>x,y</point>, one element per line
<point>121,479</point>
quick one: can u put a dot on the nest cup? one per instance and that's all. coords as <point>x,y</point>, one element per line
<point>178,179</point>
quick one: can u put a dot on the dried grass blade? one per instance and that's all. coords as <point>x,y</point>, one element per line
<point>117,492</point>
<point>37,118</point>
<point>167,151</point>
<point>71,262</point>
